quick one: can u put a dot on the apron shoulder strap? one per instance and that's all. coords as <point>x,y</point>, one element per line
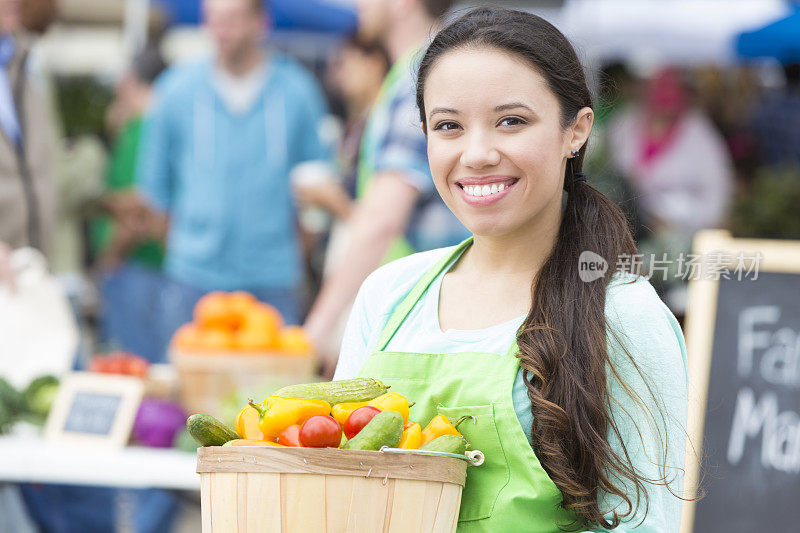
<point>408,303</point>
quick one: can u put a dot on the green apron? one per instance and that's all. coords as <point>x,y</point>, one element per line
<point>510,491</point>
<point>370,143</point>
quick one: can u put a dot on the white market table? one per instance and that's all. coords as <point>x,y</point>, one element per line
<point>31,459</point>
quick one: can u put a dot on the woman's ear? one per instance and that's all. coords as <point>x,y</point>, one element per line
<point>578,133</point>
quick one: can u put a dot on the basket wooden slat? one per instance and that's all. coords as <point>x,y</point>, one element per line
<point>245,489</point>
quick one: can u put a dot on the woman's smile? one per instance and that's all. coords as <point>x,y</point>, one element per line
<point>488,190</point>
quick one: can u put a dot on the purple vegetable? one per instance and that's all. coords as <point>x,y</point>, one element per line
<point>158,423</point>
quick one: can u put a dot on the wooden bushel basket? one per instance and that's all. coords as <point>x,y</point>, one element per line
<point>205,379</point>
<point>324,490</point>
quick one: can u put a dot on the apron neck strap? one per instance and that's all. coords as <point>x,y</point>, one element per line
<point>408,303</point>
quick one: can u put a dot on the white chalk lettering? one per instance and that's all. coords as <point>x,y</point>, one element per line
<point>780,432</point>
<point>781,362</point>
<point>751,340</point>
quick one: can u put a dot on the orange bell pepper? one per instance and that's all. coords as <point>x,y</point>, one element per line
<point>412,436</point>
<point>439,426</point>
<point>277,414</point>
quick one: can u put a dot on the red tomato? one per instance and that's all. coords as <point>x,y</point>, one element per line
<point>290,436</point>
<point>321,431</point>
<point>114,365</point>
<point>358,419</point>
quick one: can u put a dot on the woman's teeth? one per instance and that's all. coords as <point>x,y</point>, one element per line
<point>484,190</point>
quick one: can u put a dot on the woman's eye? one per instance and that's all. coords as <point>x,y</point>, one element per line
<point>446,126</point>
<point>512,121</point>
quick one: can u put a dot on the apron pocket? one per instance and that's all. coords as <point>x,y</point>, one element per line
<point>484,482</point>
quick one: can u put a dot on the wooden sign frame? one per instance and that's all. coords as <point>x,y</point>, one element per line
<point>130,391</point>
<point>775,256</point>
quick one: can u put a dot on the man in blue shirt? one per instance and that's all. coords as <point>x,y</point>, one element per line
<point>219,145</point>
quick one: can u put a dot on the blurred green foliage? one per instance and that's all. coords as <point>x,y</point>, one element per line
<point>770,207</point>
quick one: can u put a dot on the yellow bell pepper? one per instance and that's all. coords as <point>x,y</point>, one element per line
<point>392,401</point>
<point>412,436</point>
<point>278,413</point>
<point>439,426</point>
<point>342,411</point>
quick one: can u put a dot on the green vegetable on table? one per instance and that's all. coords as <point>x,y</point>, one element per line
<point>40,395</point>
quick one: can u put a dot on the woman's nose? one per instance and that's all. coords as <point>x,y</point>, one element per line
<point>479,152</point>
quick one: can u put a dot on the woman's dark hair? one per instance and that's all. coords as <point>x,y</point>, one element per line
<point>563,341</point>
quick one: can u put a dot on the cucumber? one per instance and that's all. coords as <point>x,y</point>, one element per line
<point>208,431</point>
<point>333,392</point>
<point>447,443</point>
<point>385,429</point>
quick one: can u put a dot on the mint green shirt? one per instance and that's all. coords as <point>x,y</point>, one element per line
<point>634,312</point>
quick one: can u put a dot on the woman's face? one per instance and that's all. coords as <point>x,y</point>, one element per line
<point>496,147</point>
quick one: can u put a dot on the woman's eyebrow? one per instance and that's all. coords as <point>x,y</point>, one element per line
<point>444,111</point>
<point>513,105</point>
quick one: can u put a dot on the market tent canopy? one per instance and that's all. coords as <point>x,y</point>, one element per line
<point>310,15</point>
<point>780,39</point>
<point>655,31</point>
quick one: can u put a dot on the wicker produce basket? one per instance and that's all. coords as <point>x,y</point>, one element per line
<point>205,380</point>
<point>299,490</point>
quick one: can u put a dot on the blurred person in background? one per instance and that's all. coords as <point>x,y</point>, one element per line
<point>217,150</point>
<point>776,121</point>
<point>398,209</point>
<point>675,157</point>
<point>27,191</point>
<point>78,163</point>
<point>127,250</point>
<point>354,76</point>
<point>678,165</point>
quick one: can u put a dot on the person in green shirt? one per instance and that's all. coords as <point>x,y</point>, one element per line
<point>126,241</point>
<point>119,235</point>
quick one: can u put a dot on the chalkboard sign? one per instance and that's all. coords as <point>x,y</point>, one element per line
<point>94,408</point>
<point>92,413</point>
<point>743,342</point>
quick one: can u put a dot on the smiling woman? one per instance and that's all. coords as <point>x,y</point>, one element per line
<point>582,418</point>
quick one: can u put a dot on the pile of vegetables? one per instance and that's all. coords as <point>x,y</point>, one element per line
<point>354,414</point>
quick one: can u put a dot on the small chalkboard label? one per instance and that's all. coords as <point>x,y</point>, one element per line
<point>92,413</point>
<point>97,408</point>
<point>743,342</point>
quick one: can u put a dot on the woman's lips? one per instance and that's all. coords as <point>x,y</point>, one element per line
<point>485,191</point>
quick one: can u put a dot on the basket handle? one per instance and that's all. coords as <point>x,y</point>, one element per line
<point>473,457</point>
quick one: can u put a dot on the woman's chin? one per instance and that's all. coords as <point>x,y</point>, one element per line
<point>487,227</point>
